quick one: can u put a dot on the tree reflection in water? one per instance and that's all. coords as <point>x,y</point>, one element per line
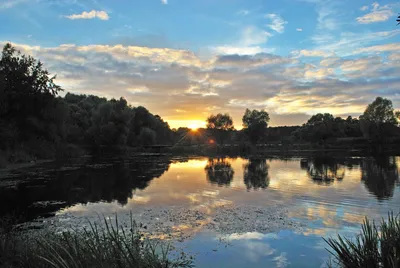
<point>91,182</point>
<point>255,174</point>
<point>380,175</point>
<point>219,171</point>
<point>323,170</point>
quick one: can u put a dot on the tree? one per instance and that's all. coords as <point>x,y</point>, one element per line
<point>380,111</point>
<point>147,136</point>
<point>29,109</point>
<point>255,124</point>
<point>220,125</point>
<point>379,119</point>
<point>220,121</point>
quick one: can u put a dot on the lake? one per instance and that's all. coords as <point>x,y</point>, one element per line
<point>227,212</point>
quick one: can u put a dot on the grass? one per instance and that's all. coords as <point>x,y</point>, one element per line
<point>375,247</point>
<point>111,246</point>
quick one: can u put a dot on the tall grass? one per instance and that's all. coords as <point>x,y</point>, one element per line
<point>110,246</point>
<point>375,247</point>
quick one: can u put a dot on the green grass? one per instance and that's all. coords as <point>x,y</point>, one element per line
<point>375,247</point>
<point>105,247</point>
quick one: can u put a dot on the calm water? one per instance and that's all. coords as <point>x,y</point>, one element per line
<point>327,194</point>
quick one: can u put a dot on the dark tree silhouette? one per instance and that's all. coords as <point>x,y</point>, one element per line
<point>380,174</point>
<point>220,125</point>
<point>378,120</point>
<point>255,174</point>
<point>255,124</point>
<point>323,170</point>
<point>219,171</point>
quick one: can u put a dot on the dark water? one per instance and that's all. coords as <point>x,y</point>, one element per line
<point>327,194</point>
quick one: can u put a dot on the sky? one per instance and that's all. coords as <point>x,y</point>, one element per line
<point>187,59</point>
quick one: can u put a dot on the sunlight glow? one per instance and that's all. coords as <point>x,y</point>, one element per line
<point>192,124</point>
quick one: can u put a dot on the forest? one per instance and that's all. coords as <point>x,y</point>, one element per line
<point>36,122</point>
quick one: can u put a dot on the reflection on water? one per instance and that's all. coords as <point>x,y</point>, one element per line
<point>255,174</point>
<point>323,170</point>
<point>380,176</point>
<point>219,171</point>
<point>328,194</point>
<point>68,185</point>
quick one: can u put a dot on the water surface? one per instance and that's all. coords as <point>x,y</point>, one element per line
<point>328,195</point>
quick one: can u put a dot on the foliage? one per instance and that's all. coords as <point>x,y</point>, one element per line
<point>111,246</point>
<point>29,109</point>
<point>219,125</point>
<point>147,136</point>
<point>378,120</point>
<point>33,119</point>
<point>380,111</point>
<point>220,121</point>
<point>322,127</point>
<point>255,124</point>
<point>375,247</point>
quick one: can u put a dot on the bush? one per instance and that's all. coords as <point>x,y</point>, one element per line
<point>375,247</point>
<point>103,247</point>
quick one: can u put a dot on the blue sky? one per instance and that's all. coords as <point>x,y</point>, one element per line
<point>186,59</point>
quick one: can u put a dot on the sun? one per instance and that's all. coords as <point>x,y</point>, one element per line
<point>194,126</point>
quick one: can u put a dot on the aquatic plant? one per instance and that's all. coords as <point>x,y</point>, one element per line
<point>111,245</point>
<point>375,247</point>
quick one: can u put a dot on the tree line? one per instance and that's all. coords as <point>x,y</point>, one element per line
<point>378,122</point>
<point>35,121</point>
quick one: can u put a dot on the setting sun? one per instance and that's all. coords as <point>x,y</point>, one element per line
<point>194,126</point>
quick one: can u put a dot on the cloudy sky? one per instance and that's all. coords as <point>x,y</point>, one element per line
<point>186,59</point>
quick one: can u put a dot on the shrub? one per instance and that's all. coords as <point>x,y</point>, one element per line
<point>374,247</point>
<point>103,247</point>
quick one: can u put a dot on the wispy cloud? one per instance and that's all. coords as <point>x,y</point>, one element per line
<point>378,14</point>
<point>165,2</point>
<point>102,15</point>
<point>312,53</point>
<point>364,8</point>
<point>253,36</point>
<point>379,48</point>
<point>240,50</point>
<point>299,29</point>
<point>10,3</point>
<point>277,23</point>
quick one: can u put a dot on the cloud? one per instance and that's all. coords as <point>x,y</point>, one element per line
<point>231,50</point>
<point>364,8</point>
<point>165,2</point>
<point>312,53</point>
<point>277,23</point>
<point>378,14</point>
<point>349,43</point>
<point>254,36</point>
<point>168,81</point>
<point>11,3</point>
<point>251,39</point>
<point>379,48</point>
<point>102,15</point>
<point>299,29</point>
